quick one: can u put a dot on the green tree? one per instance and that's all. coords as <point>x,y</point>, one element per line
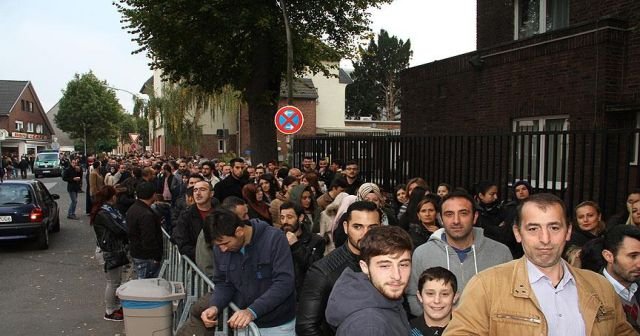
<point>375,90</point>
<point>242,43</point>
<point>88,105</point>
<point>133,124</point>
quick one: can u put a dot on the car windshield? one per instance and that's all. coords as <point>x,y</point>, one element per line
<point>14,194</point>
<point>48,157</point>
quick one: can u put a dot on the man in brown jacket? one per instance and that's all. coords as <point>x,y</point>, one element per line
<point>539,294</point>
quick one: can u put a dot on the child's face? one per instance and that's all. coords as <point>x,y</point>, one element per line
<point>437,300</point>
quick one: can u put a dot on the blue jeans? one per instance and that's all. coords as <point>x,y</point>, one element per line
<point>146,268</point>
<point>287,329</point>
<point>73,195</point>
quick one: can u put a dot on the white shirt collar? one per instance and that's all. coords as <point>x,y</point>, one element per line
<point>625,293</point>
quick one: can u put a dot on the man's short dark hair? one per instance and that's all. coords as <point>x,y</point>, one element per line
<point>209,164</point>
<point>542,201</point>
<point>145,190</point>
<point>290,205</point>
<point>219,223</point>
<point>339,181</point>
<point>351,162</point>
<point>231,202</point>
<point>338,163</point>
<point>459,194</point>
<point>439,274</point>
<point>384,240</point>
<point>234,160</point>
<point>196,176</point>
<point>614,237</point>
<point>362,206</point>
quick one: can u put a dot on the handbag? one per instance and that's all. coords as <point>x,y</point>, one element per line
<point>115,259</point>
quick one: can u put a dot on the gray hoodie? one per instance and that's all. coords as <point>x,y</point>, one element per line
<point>355,307</point>
<point>484,253</point>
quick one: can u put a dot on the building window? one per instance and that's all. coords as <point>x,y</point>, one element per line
<point>30,105</point>
<point>539,16</point>
<point>24,106</point>
<point>540,146</point>
<point>636,142</point>
<point>222,146</point>
<point>19,126</point>
<point>39,128</point>
<point>30,127</point>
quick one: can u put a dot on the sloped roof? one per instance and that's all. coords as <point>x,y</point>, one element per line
<point>10,91</point>
<point>63,138</point>
<point>302,88</point>
<point>147,87</point>
<point>344,77</point>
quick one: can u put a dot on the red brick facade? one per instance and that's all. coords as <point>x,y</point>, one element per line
<point>35,115</point>
<point>589,71</point>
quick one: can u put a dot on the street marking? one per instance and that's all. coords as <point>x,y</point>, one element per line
<point>50,185</point>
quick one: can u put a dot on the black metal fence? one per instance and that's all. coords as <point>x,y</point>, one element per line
<point>600,165</point>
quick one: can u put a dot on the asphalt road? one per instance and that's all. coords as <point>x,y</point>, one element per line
<point>58,291</point>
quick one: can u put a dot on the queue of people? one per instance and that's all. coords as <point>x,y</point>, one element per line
<point>320,251</point>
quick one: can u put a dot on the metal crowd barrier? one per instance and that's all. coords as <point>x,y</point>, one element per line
<point>177,267</point>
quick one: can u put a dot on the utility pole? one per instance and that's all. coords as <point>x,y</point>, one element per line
<point>289,54</point>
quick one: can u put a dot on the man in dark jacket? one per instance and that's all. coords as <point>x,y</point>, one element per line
<point>254,269</point>
<point>322,275</point>
<point>185,234</point>
<point>370,303</point>
<point>128,196</point>
<point>231,186</point>
<point>352,174</point>
<point>306,247</point>
<point>145,233</point>
<point>73,177</point>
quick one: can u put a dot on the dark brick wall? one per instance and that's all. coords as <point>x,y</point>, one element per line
<point>576,71</point>
<point>494,22</point>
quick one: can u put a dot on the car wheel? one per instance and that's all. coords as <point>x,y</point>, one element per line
<point>56,224</point>
<point>43,239</point>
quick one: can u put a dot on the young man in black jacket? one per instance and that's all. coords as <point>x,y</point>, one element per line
<point>322,275</point>
<point>306,247</point>
<point>73,177</point>
<point>186,231</point>
<point>145,233</point>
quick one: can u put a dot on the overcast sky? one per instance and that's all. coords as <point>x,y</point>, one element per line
<point>48,41</point>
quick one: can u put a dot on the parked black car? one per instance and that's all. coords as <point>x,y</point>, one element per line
<point>28,210</point>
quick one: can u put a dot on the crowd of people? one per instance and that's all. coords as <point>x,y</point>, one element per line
<point>317,250</point>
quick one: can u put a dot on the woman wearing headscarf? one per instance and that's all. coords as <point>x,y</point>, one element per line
<point>339,236</point>
<point>371,192</point>
<point>254,197</point>
<point>327,218</point>
<point>303,196</point>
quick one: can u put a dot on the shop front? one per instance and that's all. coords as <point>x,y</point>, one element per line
<point>18,144</point>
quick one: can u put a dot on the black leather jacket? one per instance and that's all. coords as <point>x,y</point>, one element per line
<point>110,237</point>
<point>318,283</point>
<point>307,250</point>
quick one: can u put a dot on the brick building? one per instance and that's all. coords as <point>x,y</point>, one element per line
<point>551,95</point>
<point>539,65</point>
<point>23,118</point>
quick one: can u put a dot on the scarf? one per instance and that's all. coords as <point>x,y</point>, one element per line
<point>117,217</point>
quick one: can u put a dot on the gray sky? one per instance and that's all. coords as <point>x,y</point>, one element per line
<point>47,41</point>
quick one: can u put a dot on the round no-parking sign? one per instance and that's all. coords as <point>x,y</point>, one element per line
<point>289,119</point>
